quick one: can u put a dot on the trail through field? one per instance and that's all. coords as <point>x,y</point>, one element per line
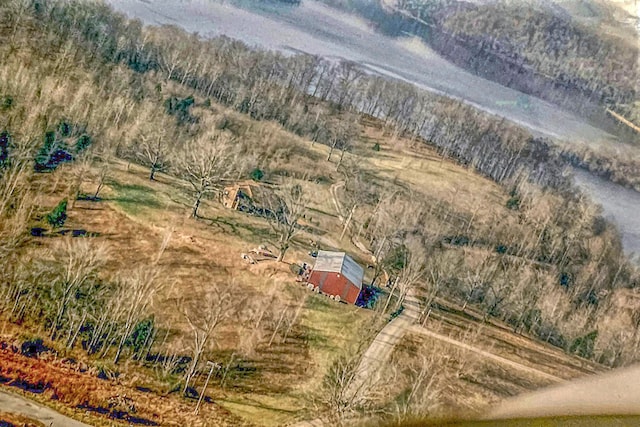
<point>336,201</point>
<point>378,353</point>
<point>382,346</point>
<point>17,404</point>
<point>417,329</point>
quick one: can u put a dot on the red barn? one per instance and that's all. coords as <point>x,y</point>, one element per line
<point>337,275</point>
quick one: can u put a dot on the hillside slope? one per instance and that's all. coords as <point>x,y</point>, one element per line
<point>122,274</point>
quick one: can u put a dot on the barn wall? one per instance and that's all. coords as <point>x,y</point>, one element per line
<point>352,294</point>
<point>316,277</point>
<point>334,284</point>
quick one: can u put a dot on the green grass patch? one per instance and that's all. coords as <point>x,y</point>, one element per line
<point>263,410</point>
<point>132,198</point>
<point>332,327</point>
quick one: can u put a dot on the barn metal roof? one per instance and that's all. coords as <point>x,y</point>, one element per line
<point>340,262</point>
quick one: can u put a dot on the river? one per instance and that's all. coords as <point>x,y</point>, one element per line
<point>317,29</point>
<point>620,205</point>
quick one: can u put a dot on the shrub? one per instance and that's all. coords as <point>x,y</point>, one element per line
<point>368,297</point>
<point>181,109</point>
<point>224,123</point>
<point>513,203</point>
<point>33,347</point>
<point>532,319</point>
<point>566,280</point>
<point>65,129</point>
<point>376,147</point>
<point>58,215</point>
<point>549,333</point>
<point>6,103</point>
<point>83,143</point>
<point>321,179</point>
<point>599,225</point>
<point>295,269</point>
<point>256,174</point>
<point>457,240</point>
<point>501,249</point>
<point>52,153</point>
<point>140,335</point>
<point>397,313</point>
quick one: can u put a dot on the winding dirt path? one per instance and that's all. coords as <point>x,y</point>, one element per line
<point>334,198</point>
<point>417,329</point>
<point>375,357</point>
<point>378,353</point>
<point>10,402</point>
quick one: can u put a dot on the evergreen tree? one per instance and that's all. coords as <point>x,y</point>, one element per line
<point>58,215</point>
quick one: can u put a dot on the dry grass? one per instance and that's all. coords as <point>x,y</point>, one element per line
<point>8,419</point>
<point>279,380</point>
<point>275,384</point>
<point>132,218</point>
<point>466,383</point>
<point>78,392</point>
<point>418,168</point>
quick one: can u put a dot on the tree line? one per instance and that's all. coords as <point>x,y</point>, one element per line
<point>305,94</point>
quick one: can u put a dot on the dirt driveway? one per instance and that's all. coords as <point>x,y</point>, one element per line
<point>10,402</point>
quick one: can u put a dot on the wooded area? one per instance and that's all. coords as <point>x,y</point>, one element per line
<point>528,46</point>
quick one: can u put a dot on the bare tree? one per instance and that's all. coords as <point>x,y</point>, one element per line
<point>424,379</point>
<point>16,205</point>
<point>102,175</point>
<point>152,151</point>
<point>439,268</point>
<point>79,171</point>
<point>205,162</point>
<point>358,192</point>
<point>80,260</point>
<point>343,391</point>
<point>390,219</point>
<point>413,260</point>
<point>204,315</point>
<point>341,135</point>
<point>136,294</point>
<point>286,209</point>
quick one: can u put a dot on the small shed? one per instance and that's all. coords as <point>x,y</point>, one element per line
<point>250,197</point>
<point>235,196</point>
<point>337,275</point>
